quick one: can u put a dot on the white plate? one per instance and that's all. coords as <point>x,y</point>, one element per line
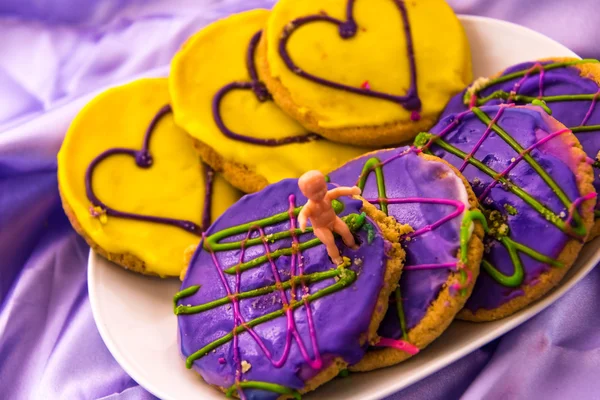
<point>135,317</point>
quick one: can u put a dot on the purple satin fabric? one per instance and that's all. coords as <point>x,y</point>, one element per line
<point>53,55</point>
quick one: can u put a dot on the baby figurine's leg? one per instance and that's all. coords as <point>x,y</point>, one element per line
<point>326,237</point>
<point>342,229</point>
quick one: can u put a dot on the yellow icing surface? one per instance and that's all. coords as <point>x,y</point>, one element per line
<point>172,187</point>
<point>215,57</point>
<point>377,54</point>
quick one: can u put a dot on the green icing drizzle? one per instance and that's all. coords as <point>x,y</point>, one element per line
<point>271,387</point>
<point>341,276</point>
<point>520,74</point>
<point>502,95</point>
<point>373,164</point>
<point>579,228</point>
<point>212,241</point>
<point>541,103</point>
<point>534,203</point>
<point>514,248</point>
<point>310,278</point>
<point>184,293</point>
<point>587,128</point>
<point>400,309</point>
<point>346,278</point>
<point>350,219</point>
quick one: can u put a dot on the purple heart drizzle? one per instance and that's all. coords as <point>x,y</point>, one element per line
<point>262,94</point>
<point>348,29</point>
<point>143,159</point>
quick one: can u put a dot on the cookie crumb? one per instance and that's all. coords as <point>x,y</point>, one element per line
<point>246,366</point>
<point>100,213</point>
<point>479,84</point>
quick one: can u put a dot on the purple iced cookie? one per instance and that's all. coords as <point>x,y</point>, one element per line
<point>534,184</point>
<point>570,88</point>
<point>263,312</point>
<point>426,193</point>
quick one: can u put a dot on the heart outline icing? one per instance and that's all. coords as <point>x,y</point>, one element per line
<point>262,94</point>
<point>348,29</point>
<point>143,159</point>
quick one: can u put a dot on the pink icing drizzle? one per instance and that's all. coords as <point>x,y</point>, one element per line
<point>452,266</point>
<point>292,331</point>
<point>398,344</point>
<point>519,158</point>
<point>535,67</point>
<point>455,266</point>
<point>482,138</point>
<point>590,110</point>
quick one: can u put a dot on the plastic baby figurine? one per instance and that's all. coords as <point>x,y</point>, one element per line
<point>321,213</point>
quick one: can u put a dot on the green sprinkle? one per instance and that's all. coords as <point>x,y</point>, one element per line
<point>344,373</point>
<point>370,232</point>
<point>510,209</point>
<point>422,139</point>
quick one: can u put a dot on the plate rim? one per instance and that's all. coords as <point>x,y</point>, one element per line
<point>518,318</point>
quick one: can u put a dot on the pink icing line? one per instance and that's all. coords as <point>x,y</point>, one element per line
<point>589,111</point>
<point>576,203</point>
<point>473,101</point>
<point>519,158</point>
<point>318,362</point>
<point>236,315</point>
<point>291,326</point>
<point>536,66</point>
<point>541,84</point>
<point>460,207</point>
<point>398,344</point>
<point>453,266</point>
<point>458,286</point>
<point>481,139</point>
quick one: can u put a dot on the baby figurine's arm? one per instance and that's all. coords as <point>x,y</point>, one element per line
<point>303,217</point>
<point>343,191</point>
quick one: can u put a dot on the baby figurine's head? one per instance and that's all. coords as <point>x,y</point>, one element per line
<point>313,185</point>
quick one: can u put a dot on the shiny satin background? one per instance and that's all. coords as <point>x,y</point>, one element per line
<point>54,55</point>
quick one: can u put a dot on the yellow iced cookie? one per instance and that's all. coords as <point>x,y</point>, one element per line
<point>219,100</point>
<point>364,71</point>
<point>132,184</point>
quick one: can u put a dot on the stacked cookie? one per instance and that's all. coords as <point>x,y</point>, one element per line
<point>484,213</point>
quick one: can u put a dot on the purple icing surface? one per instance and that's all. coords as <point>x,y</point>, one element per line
<point>559,81</point>
<point>409,176</point>
<point>339,318</point>
<point>526,125</point>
